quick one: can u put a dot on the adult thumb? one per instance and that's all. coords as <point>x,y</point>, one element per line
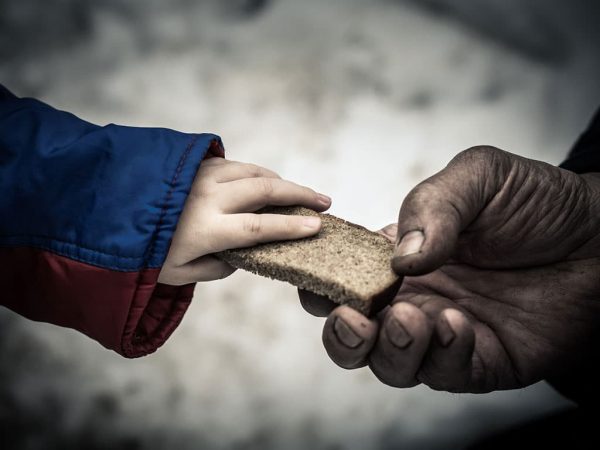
<point>437,210</point>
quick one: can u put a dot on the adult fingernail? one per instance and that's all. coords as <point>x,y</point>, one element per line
<point>397,334</point>
<point>410,243</point>
<point>345,334</point>
<point>445,332</point>
<point>312,222</point>
<point>324,200</point>
<point>390,231</point>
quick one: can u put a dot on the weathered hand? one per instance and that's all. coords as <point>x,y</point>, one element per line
<point>510,249</point>
<point>219,215</point>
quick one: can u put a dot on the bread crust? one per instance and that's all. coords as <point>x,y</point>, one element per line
<point>345,262</point>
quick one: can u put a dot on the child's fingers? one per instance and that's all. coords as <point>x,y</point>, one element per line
<point>206,268</point>
<point>234,170</point>
<point>252,194</point>
<point>448,366</point>
<point>246,230</point>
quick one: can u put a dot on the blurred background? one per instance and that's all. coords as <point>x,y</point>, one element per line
<point>359,99</point>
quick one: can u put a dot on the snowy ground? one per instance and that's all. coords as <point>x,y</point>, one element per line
<point>359,99</point>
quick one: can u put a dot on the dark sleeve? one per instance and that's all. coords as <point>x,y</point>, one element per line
<point>585,155</point>
<point>580,383</point>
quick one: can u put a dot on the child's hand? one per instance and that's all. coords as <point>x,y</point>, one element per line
<point>218,215</point>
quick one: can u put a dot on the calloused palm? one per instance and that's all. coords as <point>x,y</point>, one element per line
<point>521,325</point>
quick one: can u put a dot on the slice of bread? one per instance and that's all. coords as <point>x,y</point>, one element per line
<point>344,262</point>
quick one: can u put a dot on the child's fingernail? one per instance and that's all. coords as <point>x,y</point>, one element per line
<point>410,243</point>
<point>314,223</point>
<point>345,334</point>
<point>324,200</point>
<point>445,332</point>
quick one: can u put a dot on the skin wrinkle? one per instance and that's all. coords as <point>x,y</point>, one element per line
<point>492,179</point>
<point>480,364</point>
<point>593,228</point>
<point>535,321</point>
<point>522,321</point>
<point>561,204</point>
<point>516,373</point>
<point>528,306</point>
<point>516,180</point>
<point>471,312</point>
<point>503,201</point>
<point>571,202</point>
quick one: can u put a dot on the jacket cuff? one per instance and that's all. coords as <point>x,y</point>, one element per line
<point>156,311</point>
<point>92,213</point>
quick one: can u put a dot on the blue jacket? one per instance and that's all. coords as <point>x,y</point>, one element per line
<point>87,214</point>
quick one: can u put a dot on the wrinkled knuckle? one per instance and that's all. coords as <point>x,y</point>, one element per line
<point>309,194</point>
<point>482,151</point>
<point>290,224</point>
<point>480,154</point>
<point>265,187</point>
<point>254,171</point>
<point>422,193</point>
<point>253,224</point>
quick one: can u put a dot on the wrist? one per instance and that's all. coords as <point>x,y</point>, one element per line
<point>592,181</point>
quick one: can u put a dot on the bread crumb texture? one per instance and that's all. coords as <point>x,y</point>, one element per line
<point>345,262</point>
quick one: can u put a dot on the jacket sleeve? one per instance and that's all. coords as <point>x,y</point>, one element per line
<point>580,384</point>
<point>87,214</point>
<point>585,155</point>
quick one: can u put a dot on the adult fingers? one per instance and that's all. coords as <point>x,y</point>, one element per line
<point>402,345</point>
<point>252,194</point>
<point>448,365</point>
<point>315,304</point>
<point>390,231</point>
<point>437,210</point>
<point>348,337</point>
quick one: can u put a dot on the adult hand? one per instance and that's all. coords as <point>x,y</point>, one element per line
<point>502,262</point>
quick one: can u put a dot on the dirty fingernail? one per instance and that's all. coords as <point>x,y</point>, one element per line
<point>345,334</point>
<point>397,334</point>
<point>312,222</point>
<point>410,243</point>
<point>445,332</point>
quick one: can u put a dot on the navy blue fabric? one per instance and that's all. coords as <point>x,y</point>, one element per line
<point>5,93</point>
<point>108,196</point>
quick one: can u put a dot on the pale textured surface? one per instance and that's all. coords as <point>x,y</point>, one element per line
<point>359,99</point>
<point>345,262</point>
